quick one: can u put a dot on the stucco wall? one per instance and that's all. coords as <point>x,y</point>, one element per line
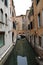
<point>8,36</point>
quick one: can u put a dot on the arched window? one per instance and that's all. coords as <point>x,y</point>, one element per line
<point>37,1</point>
<point>1,15</point>
<point>14,25</point>
<point>39,21</point>
<point>6,2</point>
<point>6,18</point>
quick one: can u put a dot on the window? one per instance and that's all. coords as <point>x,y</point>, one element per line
<point>12,2</point>
<point>2,42</point>
<point>30,38</point>
<point>40,41</point>
<point>28,26</point>
<point>14,25</point>
<point>23,26</point>
<point>1,15</point>
<point>6,18</point>
<point>39,22</point>
<point>37,1</point>
<point>13,37</point>
<point>34,40</point>
<point>12,14</point>
<point>10,10</point>
<point>6,2</point>
<point>31,25</point>
<point>42,19</point>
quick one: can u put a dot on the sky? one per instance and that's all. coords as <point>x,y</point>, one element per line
<point>21,6</point>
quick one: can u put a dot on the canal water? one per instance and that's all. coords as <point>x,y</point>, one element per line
<point>22,54</point>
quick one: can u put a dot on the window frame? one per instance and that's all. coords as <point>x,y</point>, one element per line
<point>40,41</point>
<point>13,37</point>
<point>6,3</point>
<point>31,25</point>
<point>39,20</point>
<point>1,14</point>
<point>3,34</point>
<point>6,19</point>
<point>14,25</point>
<point>42,18</point>
<point>37,1</point>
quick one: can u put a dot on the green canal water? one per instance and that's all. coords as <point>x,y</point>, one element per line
<point>22,54</point>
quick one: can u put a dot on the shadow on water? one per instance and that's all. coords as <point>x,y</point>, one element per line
<point>22,54</point>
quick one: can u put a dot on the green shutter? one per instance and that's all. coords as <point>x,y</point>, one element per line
<point>1,40</point>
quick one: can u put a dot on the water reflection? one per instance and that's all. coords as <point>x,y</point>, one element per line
<point>22,54</point>
<point>21,60</point>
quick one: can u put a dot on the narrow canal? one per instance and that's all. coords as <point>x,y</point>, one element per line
<point>22,54</point>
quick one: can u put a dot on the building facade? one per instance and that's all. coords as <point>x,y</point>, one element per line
<point>19,23</point>
<point>38,22</point>
<point>6,27</point>
<point>36,27</point>
<point>27,19</point>
<point>20,20</point>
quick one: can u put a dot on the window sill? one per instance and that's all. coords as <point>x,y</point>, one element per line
<point>4,23</point>
<point>1,22</point>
